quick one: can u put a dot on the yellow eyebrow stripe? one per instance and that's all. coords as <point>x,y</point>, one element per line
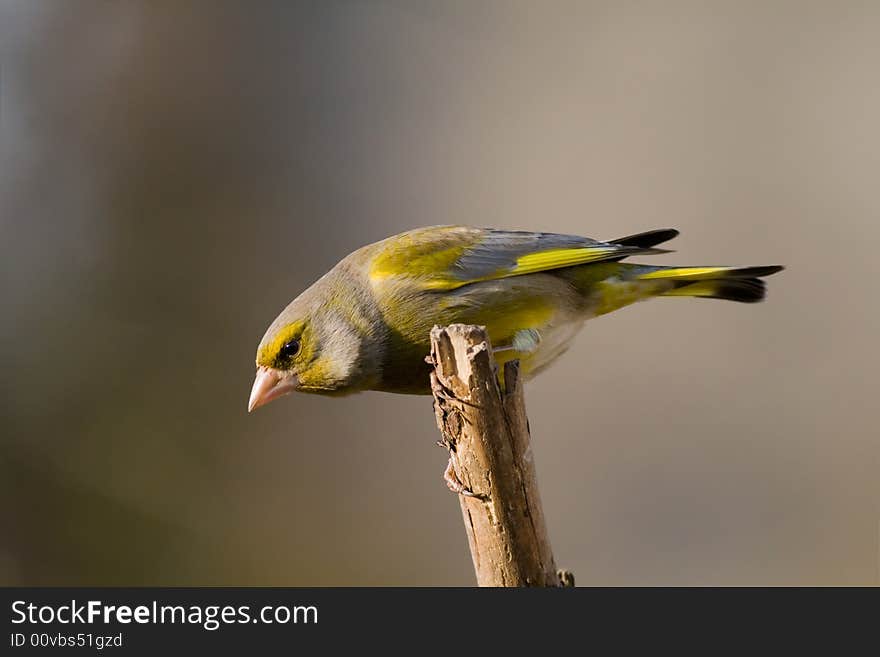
<point>267,354</point>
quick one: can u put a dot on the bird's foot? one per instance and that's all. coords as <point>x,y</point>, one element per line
<point>525,341</point>
<point>566,578</point>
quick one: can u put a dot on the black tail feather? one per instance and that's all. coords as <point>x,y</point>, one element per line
<point>744,290</point>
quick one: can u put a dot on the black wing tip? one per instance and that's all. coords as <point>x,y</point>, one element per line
<point>648,239</point>
<point>754,272</point>
<point>628,250</point>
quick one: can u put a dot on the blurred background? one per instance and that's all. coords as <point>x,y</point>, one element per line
<point>174,173</point>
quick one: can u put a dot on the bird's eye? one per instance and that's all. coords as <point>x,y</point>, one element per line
<point>289,349</point>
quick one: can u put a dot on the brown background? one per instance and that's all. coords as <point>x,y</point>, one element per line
<point>174,173</point>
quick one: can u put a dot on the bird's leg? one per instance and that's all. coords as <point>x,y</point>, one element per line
<point>566,578</point>
<point>525,341</point>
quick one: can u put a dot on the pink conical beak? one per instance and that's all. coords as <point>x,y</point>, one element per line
<point>270,384</point>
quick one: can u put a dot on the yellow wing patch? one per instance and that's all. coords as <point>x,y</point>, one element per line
<point>426,254</point>
<point>450,257</point>
<point>555,259</point>
<point>430,265</point>
<point>437,270</point>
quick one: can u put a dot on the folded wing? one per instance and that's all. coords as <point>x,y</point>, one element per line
<point>449,257</point>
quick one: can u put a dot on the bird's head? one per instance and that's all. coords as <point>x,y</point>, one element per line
<point>315,345</point>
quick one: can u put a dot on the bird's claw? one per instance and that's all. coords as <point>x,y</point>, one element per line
<point>566,578</point>
<point>525,341</point>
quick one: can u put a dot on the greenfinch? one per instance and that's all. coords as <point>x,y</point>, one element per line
<point>365,324</point>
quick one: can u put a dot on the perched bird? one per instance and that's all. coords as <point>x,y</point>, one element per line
<point>365,324</point>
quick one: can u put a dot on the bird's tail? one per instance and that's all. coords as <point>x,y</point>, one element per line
<point>732,283</point>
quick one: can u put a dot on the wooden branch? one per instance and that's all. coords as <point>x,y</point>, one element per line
<point>490,459</point>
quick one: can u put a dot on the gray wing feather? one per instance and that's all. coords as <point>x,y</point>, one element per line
<point>499,250</point>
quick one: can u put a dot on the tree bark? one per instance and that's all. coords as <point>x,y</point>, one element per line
<point>491,464</point>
